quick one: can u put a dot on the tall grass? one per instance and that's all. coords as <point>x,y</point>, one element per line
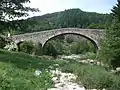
<point>93,77</point>
<point>17,72</point>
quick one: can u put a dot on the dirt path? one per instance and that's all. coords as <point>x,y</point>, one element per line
<point>64,81</point>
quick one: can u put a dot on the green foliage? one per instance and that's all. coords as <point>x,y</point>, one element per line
<point>92,77</point>
<point>111,48</point>
<point>90,55</point>
<point>95,77</point>
<point>96,26</point>
<point>49,49</point>
<point>17,72</point>
<point>68,18</point>
<point>110,51</point>
<point>2,42</point>
<point>68,46</point>
<point>30,47</point>
<point>75,48</point>
<point>27,47</point>
<point>9,10</point>
<point>80,47</point>
<point>14,8</point>
<point>18,79</point>
<point>79,18</point>
<point>116,11</point>
<point>69,40</point>
<point>116,83</point>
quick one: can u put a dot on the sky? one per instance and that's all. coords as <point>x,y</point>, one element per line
<point>50,6</point>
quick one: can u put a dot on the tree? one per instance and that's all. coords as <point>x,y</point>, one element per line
<point>96,26</point>
<point>110,51</point>
<point>116,11</point>
<point>14,8</point>
<point>9,9</point>
<point>49,49</point>
<point>27,47</point>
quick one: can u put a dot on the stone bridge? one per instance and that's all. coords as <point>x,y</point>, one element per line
<point>94,35</point>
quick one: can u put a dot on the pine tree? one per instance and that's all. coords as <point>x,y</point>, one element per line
<point>14,8</point>
<point>110,51</point>
<point>116,11</point>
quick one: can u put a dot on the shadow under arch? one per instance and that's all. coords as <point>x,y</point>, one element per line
<point>88,38</point>
<point>18,45</point>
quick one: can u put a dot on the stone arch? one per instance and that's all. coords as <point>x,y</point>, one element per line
<point>95,42</point>
<point>94,35</point>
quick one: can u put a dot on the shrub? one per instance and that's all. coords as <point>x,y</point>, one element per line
<point>27,47</point>
<point>49,49</point>
<point>30,48</point>
<point>3,41</point>
<point>116,83</point>
<point>110,51</point>
<point>90,55</point>
<point>92,77</point>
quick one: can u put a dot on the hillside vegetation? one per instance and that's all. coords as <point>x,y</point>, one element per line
<point>17,72</point>
<point>68,18</point>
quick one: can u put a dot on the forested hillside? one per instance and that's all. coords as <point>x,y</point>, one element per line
<point>63,19</point>
<point>74,18</point>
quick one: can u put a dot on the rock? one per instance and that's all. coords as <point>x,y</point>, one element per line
<point>37,72</point>
<point>91,62</point>
<point>118,69</point>
<point>113,71</point>
<point>84,61</point>
<point>98,63</point>
<point>63,81</point>
<point>53,89</point>
<point>56,79</point>
<point>57,65</point>
<point>50,67</point>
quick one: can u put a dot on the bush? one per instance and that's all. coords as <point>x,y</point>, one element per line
<point>49,49</point>
<point>96,26</point>
<point>3,41</point>
<point>92,77</point>
<point>27,47</point>
<point>110,51</point>
<point>90,55</point>
<point>31,48</point>
<point>116,83</point>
